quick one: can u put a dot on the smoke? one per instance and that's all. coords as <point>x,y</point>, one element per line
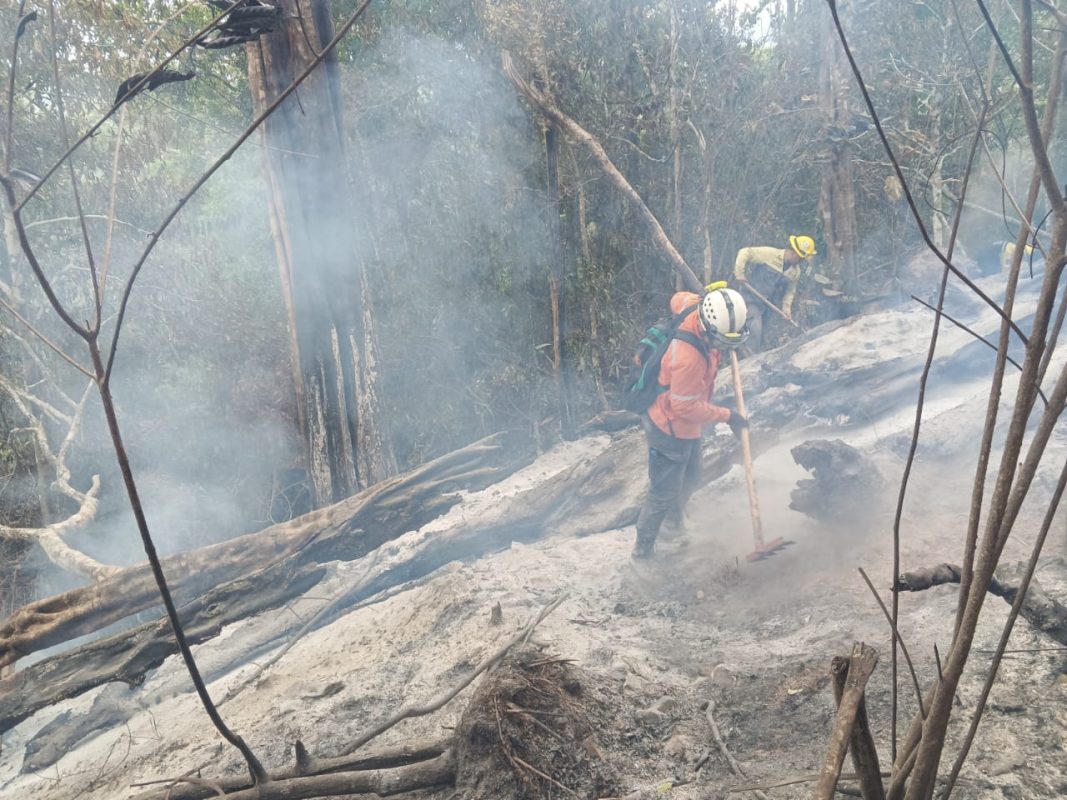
<point>461,248</point>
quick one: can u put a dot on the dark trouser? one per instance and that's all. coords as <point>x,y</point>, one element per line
<point>673,475</point>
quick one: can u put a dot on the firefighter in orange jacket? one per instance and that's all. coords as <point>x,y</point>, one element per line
<point>676,419</point>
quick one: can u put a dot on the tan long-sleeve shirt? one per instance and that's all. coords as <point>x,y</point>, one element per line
<point>773,258</point>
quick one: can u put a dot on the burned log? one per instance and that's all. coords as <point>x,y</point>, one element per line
<point>845,483</point>
<point>597,493</point>
<point>1045,613</point>
<point>344,531</point>
<point>129,655</point>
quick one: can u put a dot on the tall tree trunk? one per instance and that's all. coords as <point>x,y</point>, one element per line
<point>557,288</point>
<point>318,245</point>
<point>836,196</point>
<point>592,281</point>
<point>676,136</point>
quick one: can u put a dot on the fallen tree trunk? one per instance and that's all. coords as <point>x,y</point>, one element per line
<point>129,655</point>
<point>597,493</point>
<point>1043,612</point>
<point>346,530</point>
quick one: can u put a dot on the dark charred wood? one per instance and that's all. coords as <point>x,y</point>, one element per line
<point>221,42</point>
<point>249,20</point>
<point>128,88</point>
<point>128,656</point>
<point>24,20</point>
<point>1043,612</point>
<point>846,485</point>
<point>861,743</point>
<point>861,666</point>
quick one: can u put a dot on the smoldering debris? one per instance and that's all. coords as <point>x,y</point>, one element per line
<point>243,22</point>
<point>845,482</point>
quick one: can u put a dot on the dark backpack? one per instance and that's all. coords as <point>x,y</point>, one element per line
<point>642,384</point>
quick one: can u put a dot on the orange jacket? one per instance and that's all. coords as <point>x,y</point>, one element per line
<point>686,407</point>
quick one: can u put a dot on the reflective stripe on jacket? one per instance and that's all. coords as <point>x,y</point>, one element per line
<point>686,407</point>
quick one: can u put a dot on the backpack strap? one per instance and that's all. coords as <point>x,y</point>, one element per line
<point>695,341</point>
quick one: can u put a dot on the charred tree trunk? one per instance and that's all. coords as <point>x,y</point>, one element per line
<point>316,228</point>
<point>836,195</point>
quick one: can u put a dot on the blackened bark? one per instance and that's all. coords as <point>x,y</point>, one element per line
<point>314,214</point>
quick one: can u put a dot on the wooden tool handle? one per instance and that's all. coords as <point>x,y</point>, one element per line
<point>746,453</point>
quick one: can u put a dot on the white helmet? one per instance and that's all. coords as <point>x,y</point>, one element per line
<point>724,313</point>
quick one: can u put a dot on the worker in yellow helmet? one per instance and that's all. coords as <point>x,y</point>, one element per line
<point>774,273</point>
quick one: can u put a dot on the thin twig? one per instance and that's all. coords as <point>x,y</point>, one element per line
<point>61,112</point>
<point>52,345</point>
<point>17,207</point>
<point>539,773</point>
<point>105,263</point>
<point>9,132</point>
<point>979,337</point>
<point>904,183</point>
<point>54,220</point>
<point>413,710</point>
<point>900,641</point>
<point>709,714</point>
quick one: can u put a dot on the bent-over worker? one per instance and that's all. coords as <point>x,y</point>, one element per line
<point>774,273</point>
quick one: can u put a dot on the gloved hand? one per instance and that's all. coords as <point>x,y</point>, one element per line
<point>737,422</point>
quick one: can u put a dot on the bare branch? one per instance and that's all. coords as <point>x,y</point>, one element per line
<point>105,262</point>
<point>54,347</point>
<point>99,123</point>
<point>22,396</point>
<point>904,182</point>
<point>65,134</point>
<point>56,220</point>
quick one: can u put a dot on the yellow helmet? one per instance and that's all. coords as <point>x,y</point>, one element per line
<point>803,246</point>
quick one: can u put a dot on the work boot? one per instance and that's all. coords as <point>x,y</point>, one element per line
<point>643,550</point>
<point>675,530</point>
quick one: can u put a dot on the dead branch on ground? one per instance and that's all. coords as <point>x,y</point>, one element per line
<point>1045,613</point>
<point>735,768</point>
